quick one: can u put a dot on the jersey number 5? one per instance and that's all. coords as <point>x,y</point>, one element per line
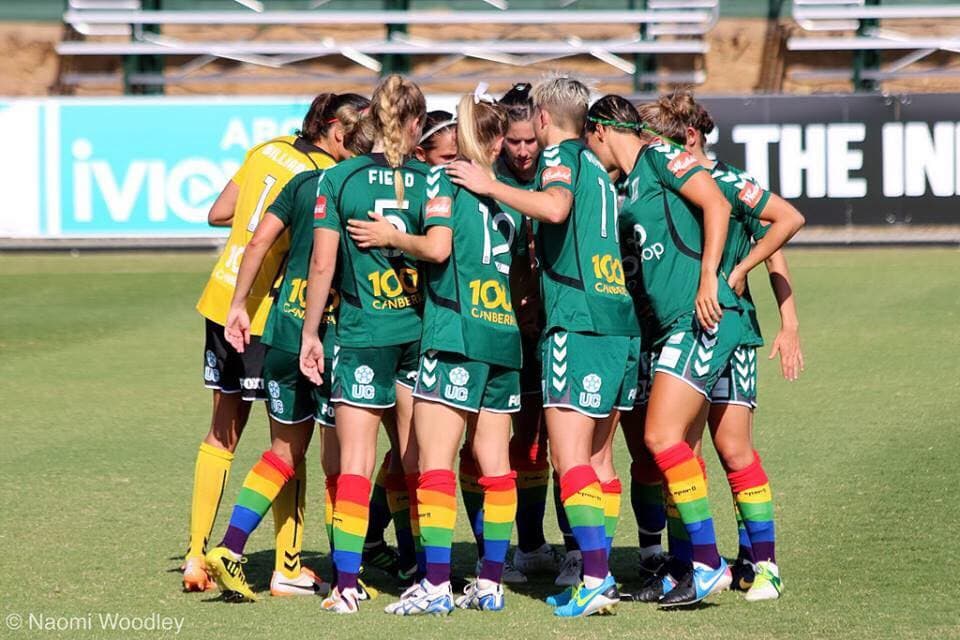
<point>380,205</point>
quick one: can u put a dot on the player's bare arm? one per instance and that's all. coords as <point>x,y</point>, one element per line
<point>221,213</point>
<point>323,265</point>
<point>703,192</point>
<point>552,205</point>
<point>784,221</point>
<point>435,246</point>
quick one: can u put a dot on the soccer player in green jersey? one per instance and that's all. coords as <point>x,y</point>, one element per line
<point>590,345</point>
<point>378,330</point>
<point>674,222</point>
<point>469,377</point>
<point>294,403</point>
<point>761,221</point>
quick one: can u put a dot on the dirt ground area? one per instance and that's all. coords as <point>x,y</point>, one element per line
<point>29,65</point>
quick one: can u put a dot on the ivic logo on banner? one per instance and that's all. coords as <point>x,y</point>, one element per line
<point>152,167</point>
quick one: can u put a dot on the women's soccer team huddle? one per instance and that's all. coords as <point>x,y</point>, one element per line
<point>518,278</point>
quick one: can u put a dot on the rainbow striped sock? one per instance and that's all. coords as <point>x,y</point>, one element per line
<point>646,499</point>
<point>751,489</point>
<point>260,489</point>
<point>472,494</point>
<point>379,509</point>
<point>677,539</point>
<point>569,541</point>
<point>351,513</point>
<point>399,501</point>
<point>583,503</point>
<point>413,481</point>
<point>688,487</point>
<point>612,492</point>
<point>499,512</point>
<point>437,495</point>
<point>744,548</point>
<point>533,481</point>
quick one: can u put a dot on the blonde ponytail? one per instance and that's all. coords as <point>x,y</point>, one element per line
<point>395,102</point>
<point>479,126</point>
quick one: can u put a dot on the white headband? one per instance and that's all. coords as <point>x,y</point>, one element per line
<point>437,127</point>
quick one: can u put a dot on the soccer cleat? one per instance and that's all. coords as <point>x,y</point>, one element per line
<point>225,567</point>
<point>743,574</point>
<point>489,599</point>
<point>570,570</point>
<point>697,585</point>
<point>546,559</point>
<point>346,601</point>
<point>424,599</point>
<point>562,598</point>
<point>382,556</point>
<point>393,606</point>
<point>308,583</point>
<point>767,584</point>
<point>586,602</point>
<point>195,576</point>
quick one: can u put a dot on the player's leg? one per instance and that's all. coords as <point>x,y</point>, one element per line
<point>330,462</point>
<point>407,462</point>
<point>260,488</point>
<point>376,552</point>
<point>690,361</point>
<point>490,442</point>
<point>732,430</point>
<point>471,491</point>
<point>528,457</point>
<point>222,372</point>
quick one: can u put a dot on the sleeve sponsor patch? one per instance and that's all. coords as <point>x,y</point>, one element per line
<point>682,164</point>
<point>439,207</point>
<point>751,194</point>
<point>320,208</point>
<point>559,173</point>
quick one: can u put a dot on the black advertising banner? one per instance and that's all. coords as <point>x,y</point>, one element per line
<point>848,159</point>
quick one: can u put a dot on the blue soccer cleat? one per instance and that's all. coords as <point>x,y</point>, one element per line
<point>697,585</point>
<point>586,602</point>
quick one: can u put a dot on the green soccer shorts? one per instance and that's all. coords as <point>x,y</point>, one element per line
<point>470,385</point>
<point>590,374</point>
<point>292,398</point>
<point>368,376</point>
<point>696,355</point>
<point>738,382</point>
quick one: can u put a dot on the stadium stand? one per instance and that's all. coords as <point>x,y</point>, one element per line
<point>628,40</point>
<point>907,32</point>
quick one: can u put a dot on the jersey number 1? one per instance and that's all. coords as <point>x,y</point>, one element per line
<point>268,182</point>
<point>603,206</point>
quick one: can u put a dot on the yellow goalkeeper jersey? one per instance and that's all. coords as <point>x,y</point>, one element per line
<point>261,177</point>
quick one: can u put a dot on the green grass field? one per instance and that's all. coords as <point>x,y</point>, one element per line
<point>103,408</point>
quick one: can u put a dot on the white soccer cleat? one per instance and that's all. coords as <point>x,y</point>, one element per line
<point>481,599</point>
<point>423,599</point>
<point>546,559</point>
<point>767,584</point>
<point>570,570</point>
<point>347,601</point>
<point>307,583</point>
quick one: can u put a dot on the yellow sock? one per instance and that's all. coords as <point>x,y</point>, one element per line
<point>209,479</point>
<point>288,522</point>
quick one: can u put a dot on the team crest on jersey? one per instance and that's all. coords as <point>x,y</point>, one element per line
<point>680,165</point>
<point>751,194</point>
<point>320,209</point>
<point>559,173</point>
<point>439,207</point>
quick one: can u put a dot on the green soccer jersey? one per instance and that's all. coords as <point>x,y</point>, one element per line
<point>380,297</point>
<point>294,208</point>
<point>748,200</point>
<point>663,233</point>
<point>581,272</point>
<point>468,309</point>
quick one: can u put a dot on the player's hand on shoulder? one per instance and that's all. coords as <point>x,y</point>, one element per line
<point>376,232</point>
<point>471,176</point>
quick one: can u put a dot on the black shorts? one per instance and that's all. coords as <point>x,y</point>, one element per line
<point>231,372</point>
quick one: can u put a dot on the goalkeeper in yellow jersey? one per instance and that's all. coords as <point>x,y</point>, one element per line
<point>236,379</point>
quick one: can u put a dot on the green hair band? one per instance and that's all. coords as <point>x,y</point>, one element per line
<point>635,126</point>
